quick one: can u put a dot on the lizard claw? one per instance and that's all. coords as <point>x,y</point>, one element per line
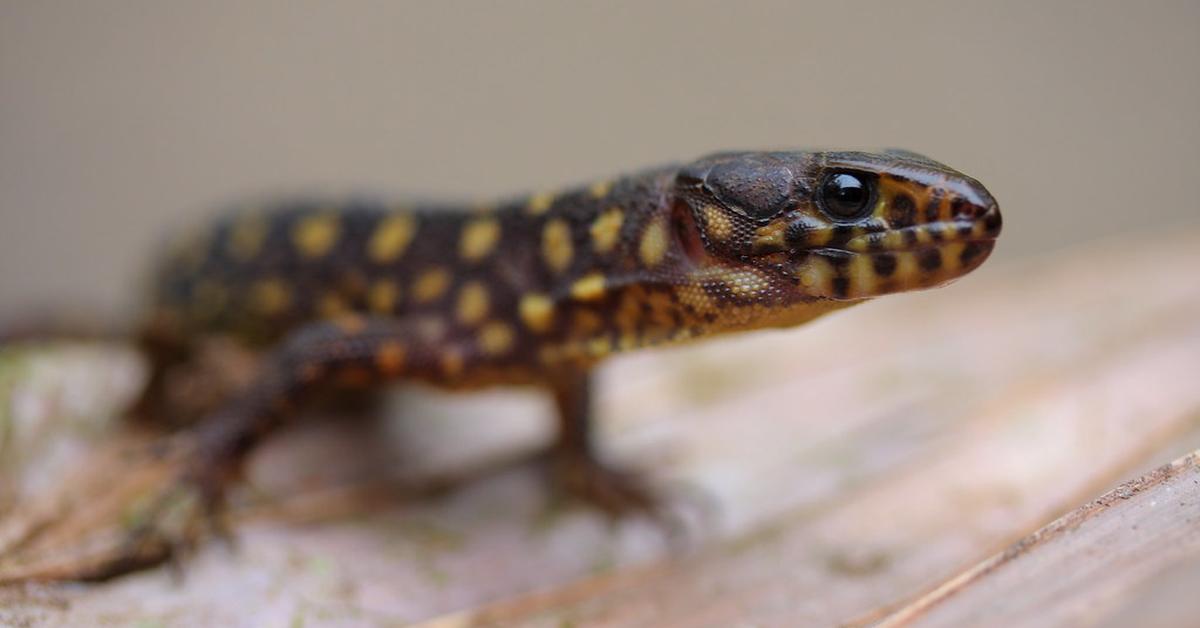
<point>614,492</point>
<point>618,493</point>
<point>170,527</point>
<point>579,473</point>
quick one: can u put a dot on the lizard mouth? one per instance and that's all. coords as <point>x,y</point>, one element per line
<point>921,236</point>
<point>926,255</point>
<point>839,274</point>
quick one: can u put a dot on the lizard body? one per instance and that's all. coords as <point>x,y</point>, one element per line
<point>537,290</point>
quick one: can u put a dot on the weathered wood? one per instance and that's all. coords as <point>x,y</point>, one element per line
<point>848,468</point>
<point>1084,566</point>
<point>1082,394</point>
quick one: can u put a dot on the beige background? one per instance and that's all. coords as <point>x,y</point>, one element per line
<point>120,119</point>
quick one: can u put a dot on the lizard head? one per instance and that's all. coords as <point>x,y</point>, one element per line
<point>834,226</point>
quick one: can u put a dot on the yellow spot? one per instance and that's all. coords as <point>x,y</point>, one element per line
<point>390,357</point>
<point>556,245</point>
<point>859,244</point>
<point>951,255</point>
<point>479,237</point>
<point>815,276</point>
<point>391,237</point>
<point>314,235</point>
<point>589,287</point>
<point>472,303</point>
<point>606,229</point>
<point>820,237</point>
<point>247,236</point>
<point>539,203</point>
<point>881,207</point>
<point>681,334</point>
<point>717,223</point>
<point>770,237</point>
<point>894,240</point>
<point>495,338</point>
<point>627,342</point>
<point>536,311</point>
<point>863,280</point>
<point>694,294</point>
<point>654,243</point>
<point>924,235</point>
<point>332,305</point>
<point>600,189</point>
<point>599,347</point>
<point>270,296</point>
<point>382,296</point>
<point>431,285</point>
<point>908,273</point>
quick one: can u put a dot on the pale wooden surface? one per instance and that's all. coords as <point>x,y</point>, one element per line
<point>848,469</point>
<point>1086,567</point>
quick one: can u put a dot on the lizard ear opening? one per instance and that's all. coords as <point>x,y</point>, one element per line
<point>692,239</point>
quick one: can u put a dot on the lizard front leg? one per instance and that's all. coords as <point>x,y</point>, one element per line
<point>577,466</point>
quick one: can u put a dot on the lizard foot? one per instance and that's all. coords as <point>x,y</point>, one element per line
<point>682,516</point>
<point>136,503</point>
<point>616,493</point>
<point>170,526</point>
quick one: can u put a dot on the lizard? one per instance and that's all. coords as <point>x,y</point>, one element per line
<point>537,290</point>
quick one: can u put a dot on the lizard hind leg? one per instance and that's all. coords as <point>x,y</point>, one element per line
<point>347,353</point>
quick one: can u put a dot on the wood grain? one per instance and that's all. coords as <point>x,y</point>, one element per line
<point>861,470</point>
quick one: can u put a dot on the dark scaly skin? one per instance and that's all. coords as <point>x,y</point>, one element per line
<point>537,290</point>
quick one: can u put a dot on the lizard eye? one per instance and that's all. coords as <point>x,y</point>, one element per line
<point>846,196</point>
<point>753,189</point>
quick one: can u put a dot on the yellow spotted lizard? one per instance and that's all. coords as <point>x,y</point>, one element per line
<point>536,290</point>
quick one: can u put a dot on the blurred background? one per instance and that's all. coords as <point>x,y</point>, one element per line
<point>851,468</point>
<point>120,120</point>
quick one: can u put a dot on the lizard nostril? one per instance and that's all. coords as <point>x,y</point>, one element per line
<point>961,209</point>
<point>978,200</point>
<point>992,222</point>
